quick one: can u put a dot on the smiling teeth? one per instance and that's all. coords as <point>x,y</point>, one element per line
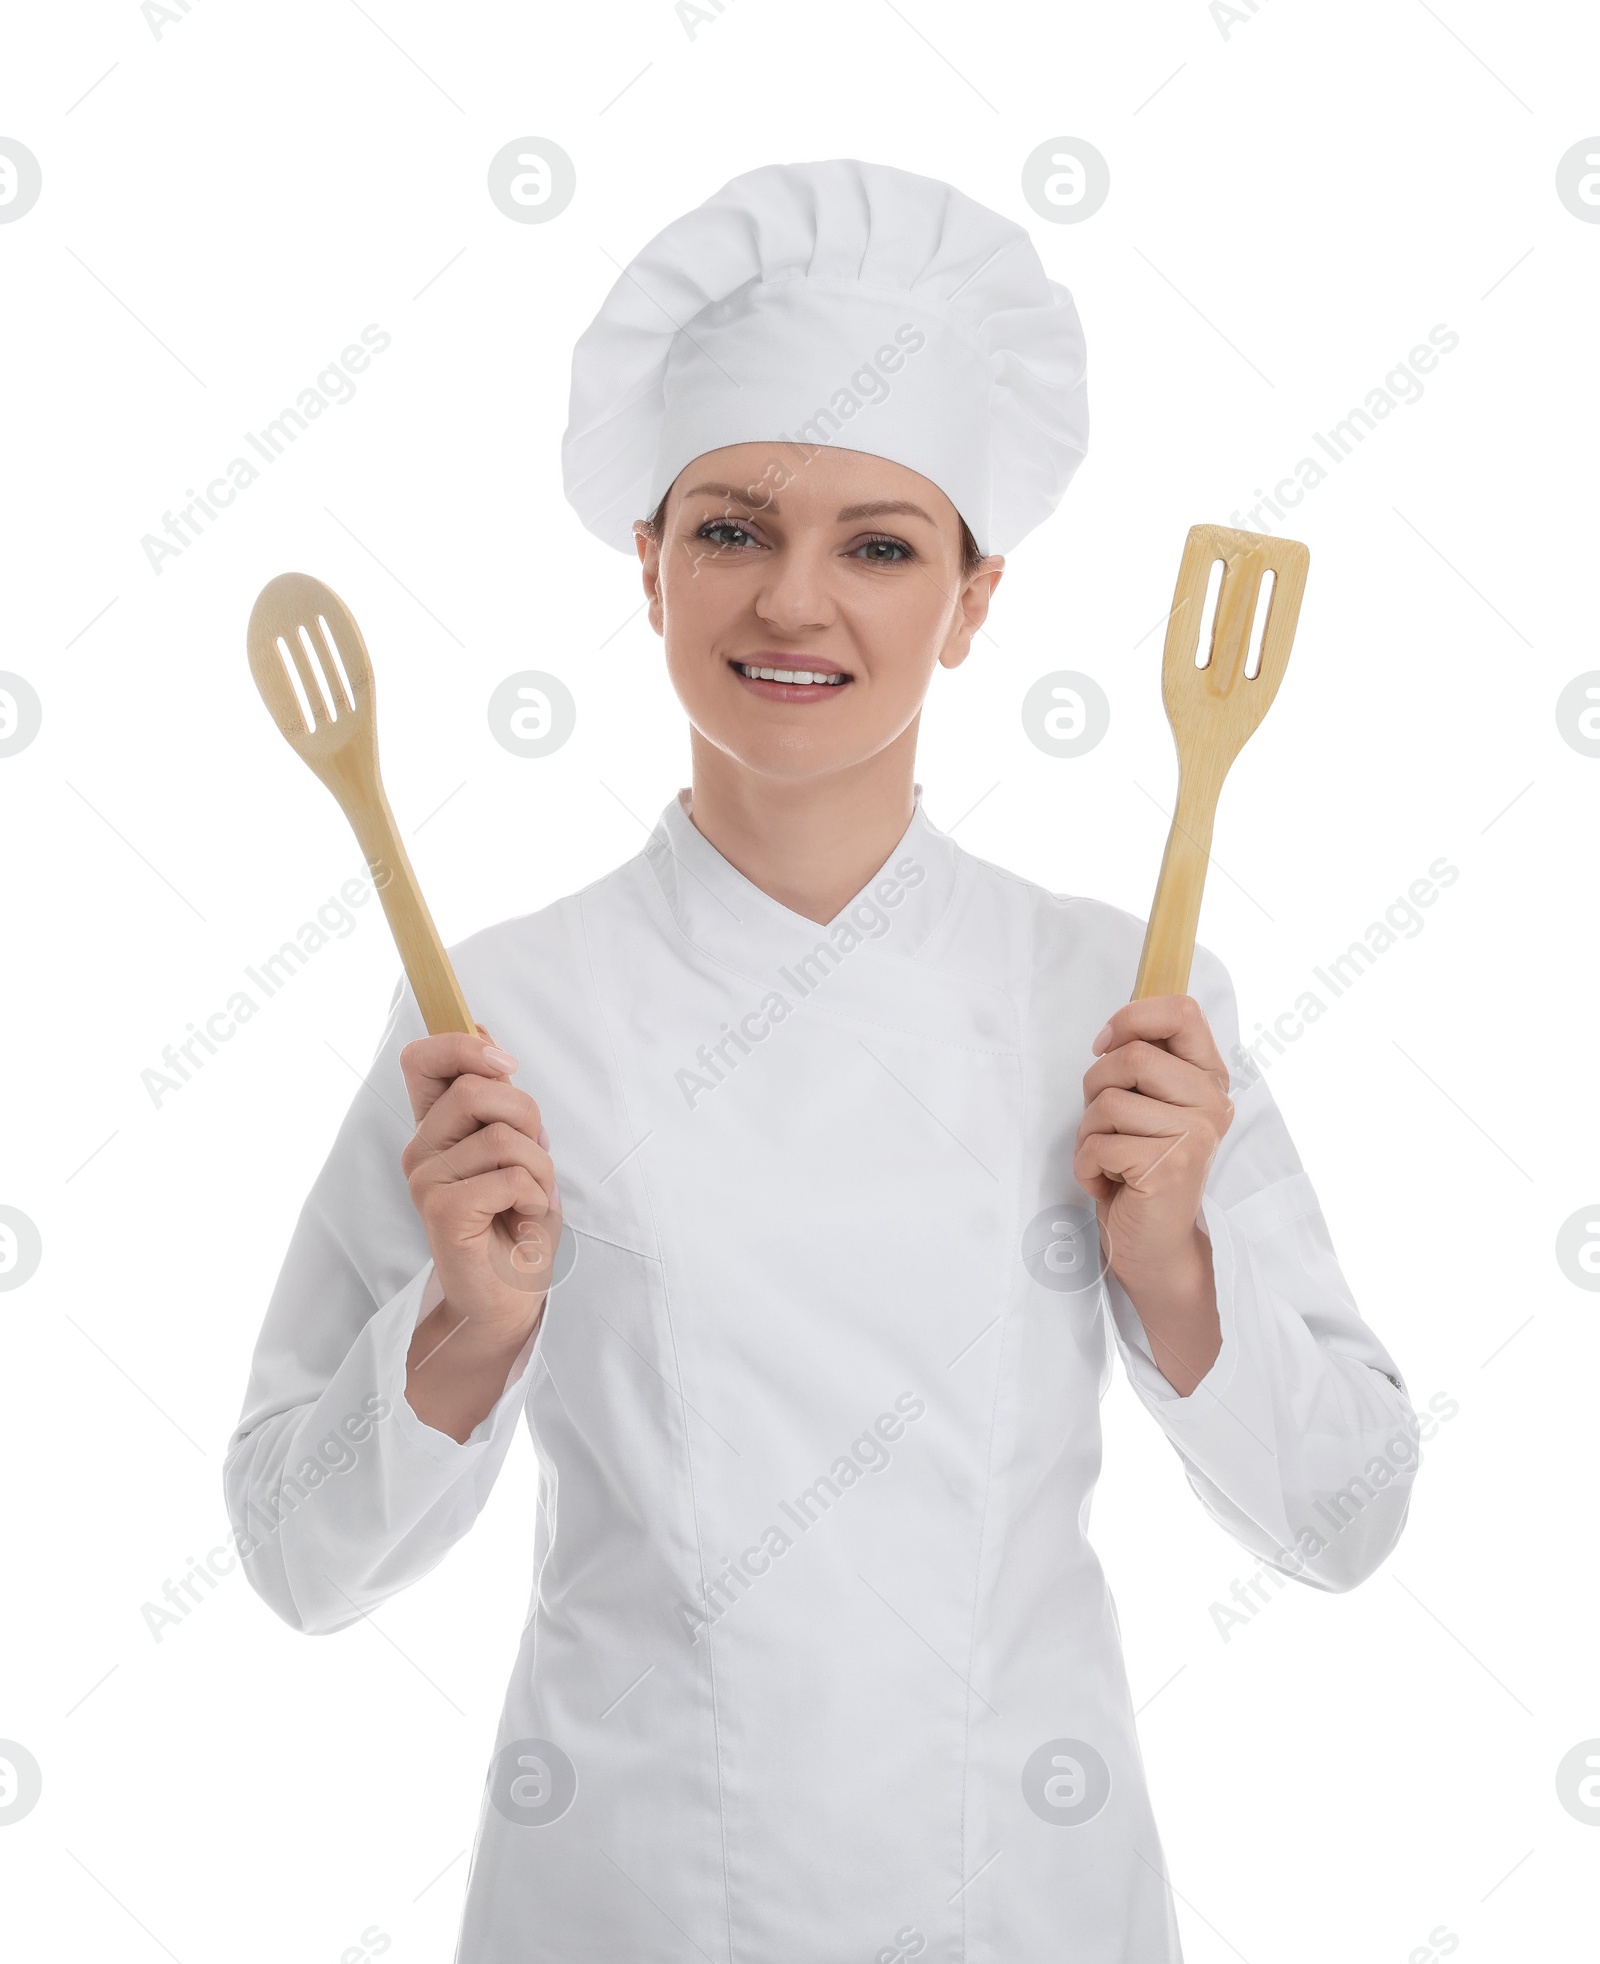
<point>787,675</point>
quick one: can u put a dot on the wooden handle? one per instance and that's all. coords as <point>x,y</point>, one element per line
<point>433,980</point>
<point>1168,952</point>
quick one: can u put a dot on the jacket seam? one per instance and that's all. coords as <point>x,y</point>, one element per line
<point>620,1082</point>
<point>1023,983</point>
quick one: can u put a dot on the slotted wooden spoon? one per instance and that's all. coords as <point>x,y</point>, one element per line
<point>1213,708</point>
<point>297,620</point>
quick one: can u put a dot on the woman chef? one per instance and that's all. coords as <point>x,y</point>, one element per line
<point>820,1665</point>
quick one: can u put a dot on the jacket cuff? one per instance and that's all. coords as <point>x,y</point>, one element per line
<point>1146,1378</point>
<point>390,1332</point>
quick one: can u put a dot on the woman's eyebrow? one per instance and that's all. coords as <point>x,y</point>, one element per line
<point>878,508</point>
<point>729,492</point>
<point>882,508</point>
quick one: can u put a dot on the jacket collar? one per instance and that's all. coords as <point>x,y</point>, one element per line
<point>730,918</point>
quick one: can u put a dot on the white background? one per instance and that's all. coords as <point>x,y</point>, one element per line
<point>1294,204</point>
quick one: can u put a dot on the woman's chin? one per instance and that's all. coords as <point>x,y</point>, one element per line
<point>791,761</point>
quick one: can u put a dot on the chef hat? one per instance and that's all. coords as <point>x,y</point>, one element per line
<point>838,303</point>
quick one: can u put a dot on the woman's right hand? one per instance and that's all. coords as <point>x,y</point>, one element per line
<point>482,1181</point>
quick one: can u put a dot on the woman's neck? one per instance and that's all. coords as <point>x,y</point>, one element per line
<point>811,844</point>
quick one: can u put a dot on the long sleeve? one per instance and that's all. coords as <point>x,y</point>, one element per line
<point>1300,1440</point>
<point>338,1493</point>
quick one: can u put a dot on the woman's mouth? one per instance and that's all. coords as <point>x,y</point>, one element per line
<point>793,682</point>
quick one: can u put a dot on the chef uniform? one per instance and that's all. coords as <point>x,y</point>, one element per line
<point>820,1665</point>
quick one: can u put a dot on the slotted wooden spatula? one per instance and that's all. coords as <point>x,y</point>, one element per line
<point>302,632</point>
<point>1213,706</point>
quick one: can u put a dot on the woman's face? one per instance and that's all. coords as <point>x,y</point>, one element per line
<point>843,569</point>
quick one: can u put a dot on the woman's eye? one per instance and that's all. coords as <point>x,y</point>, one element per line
<point>880,550</point>
<point>723,525</point>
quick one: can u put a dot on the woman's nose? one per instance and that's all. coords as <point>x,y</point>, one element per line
<point>795,593</point>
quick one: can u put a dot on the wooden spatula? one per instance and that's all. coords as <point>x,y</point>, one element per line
<point>1213,707</point>
<point>330,722</point>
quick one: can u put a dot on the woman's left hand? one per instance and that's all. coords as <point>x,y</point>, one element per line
<point>1156,1108</point>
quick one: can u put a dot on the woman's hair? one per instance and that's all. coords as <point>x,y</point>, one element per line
<point>970,555</point>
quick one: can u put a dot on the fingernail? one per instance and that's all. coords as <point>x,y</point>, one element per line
<point>499,1060</point>
<point>544,1138</point>
<point>555,1195</point>
<point>1102,1039</point>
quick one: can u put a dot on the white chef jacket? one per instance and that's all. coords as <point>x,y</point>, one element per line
<point>820,1664</point>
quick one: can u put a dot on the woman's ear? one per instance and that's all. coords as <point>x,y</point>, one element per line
<point>649,550</point>
<point>972,609</point>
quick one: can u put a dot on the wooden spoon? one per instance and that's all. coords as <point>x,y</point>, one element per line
<point>330,722</point>
<point>1213,708</point>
